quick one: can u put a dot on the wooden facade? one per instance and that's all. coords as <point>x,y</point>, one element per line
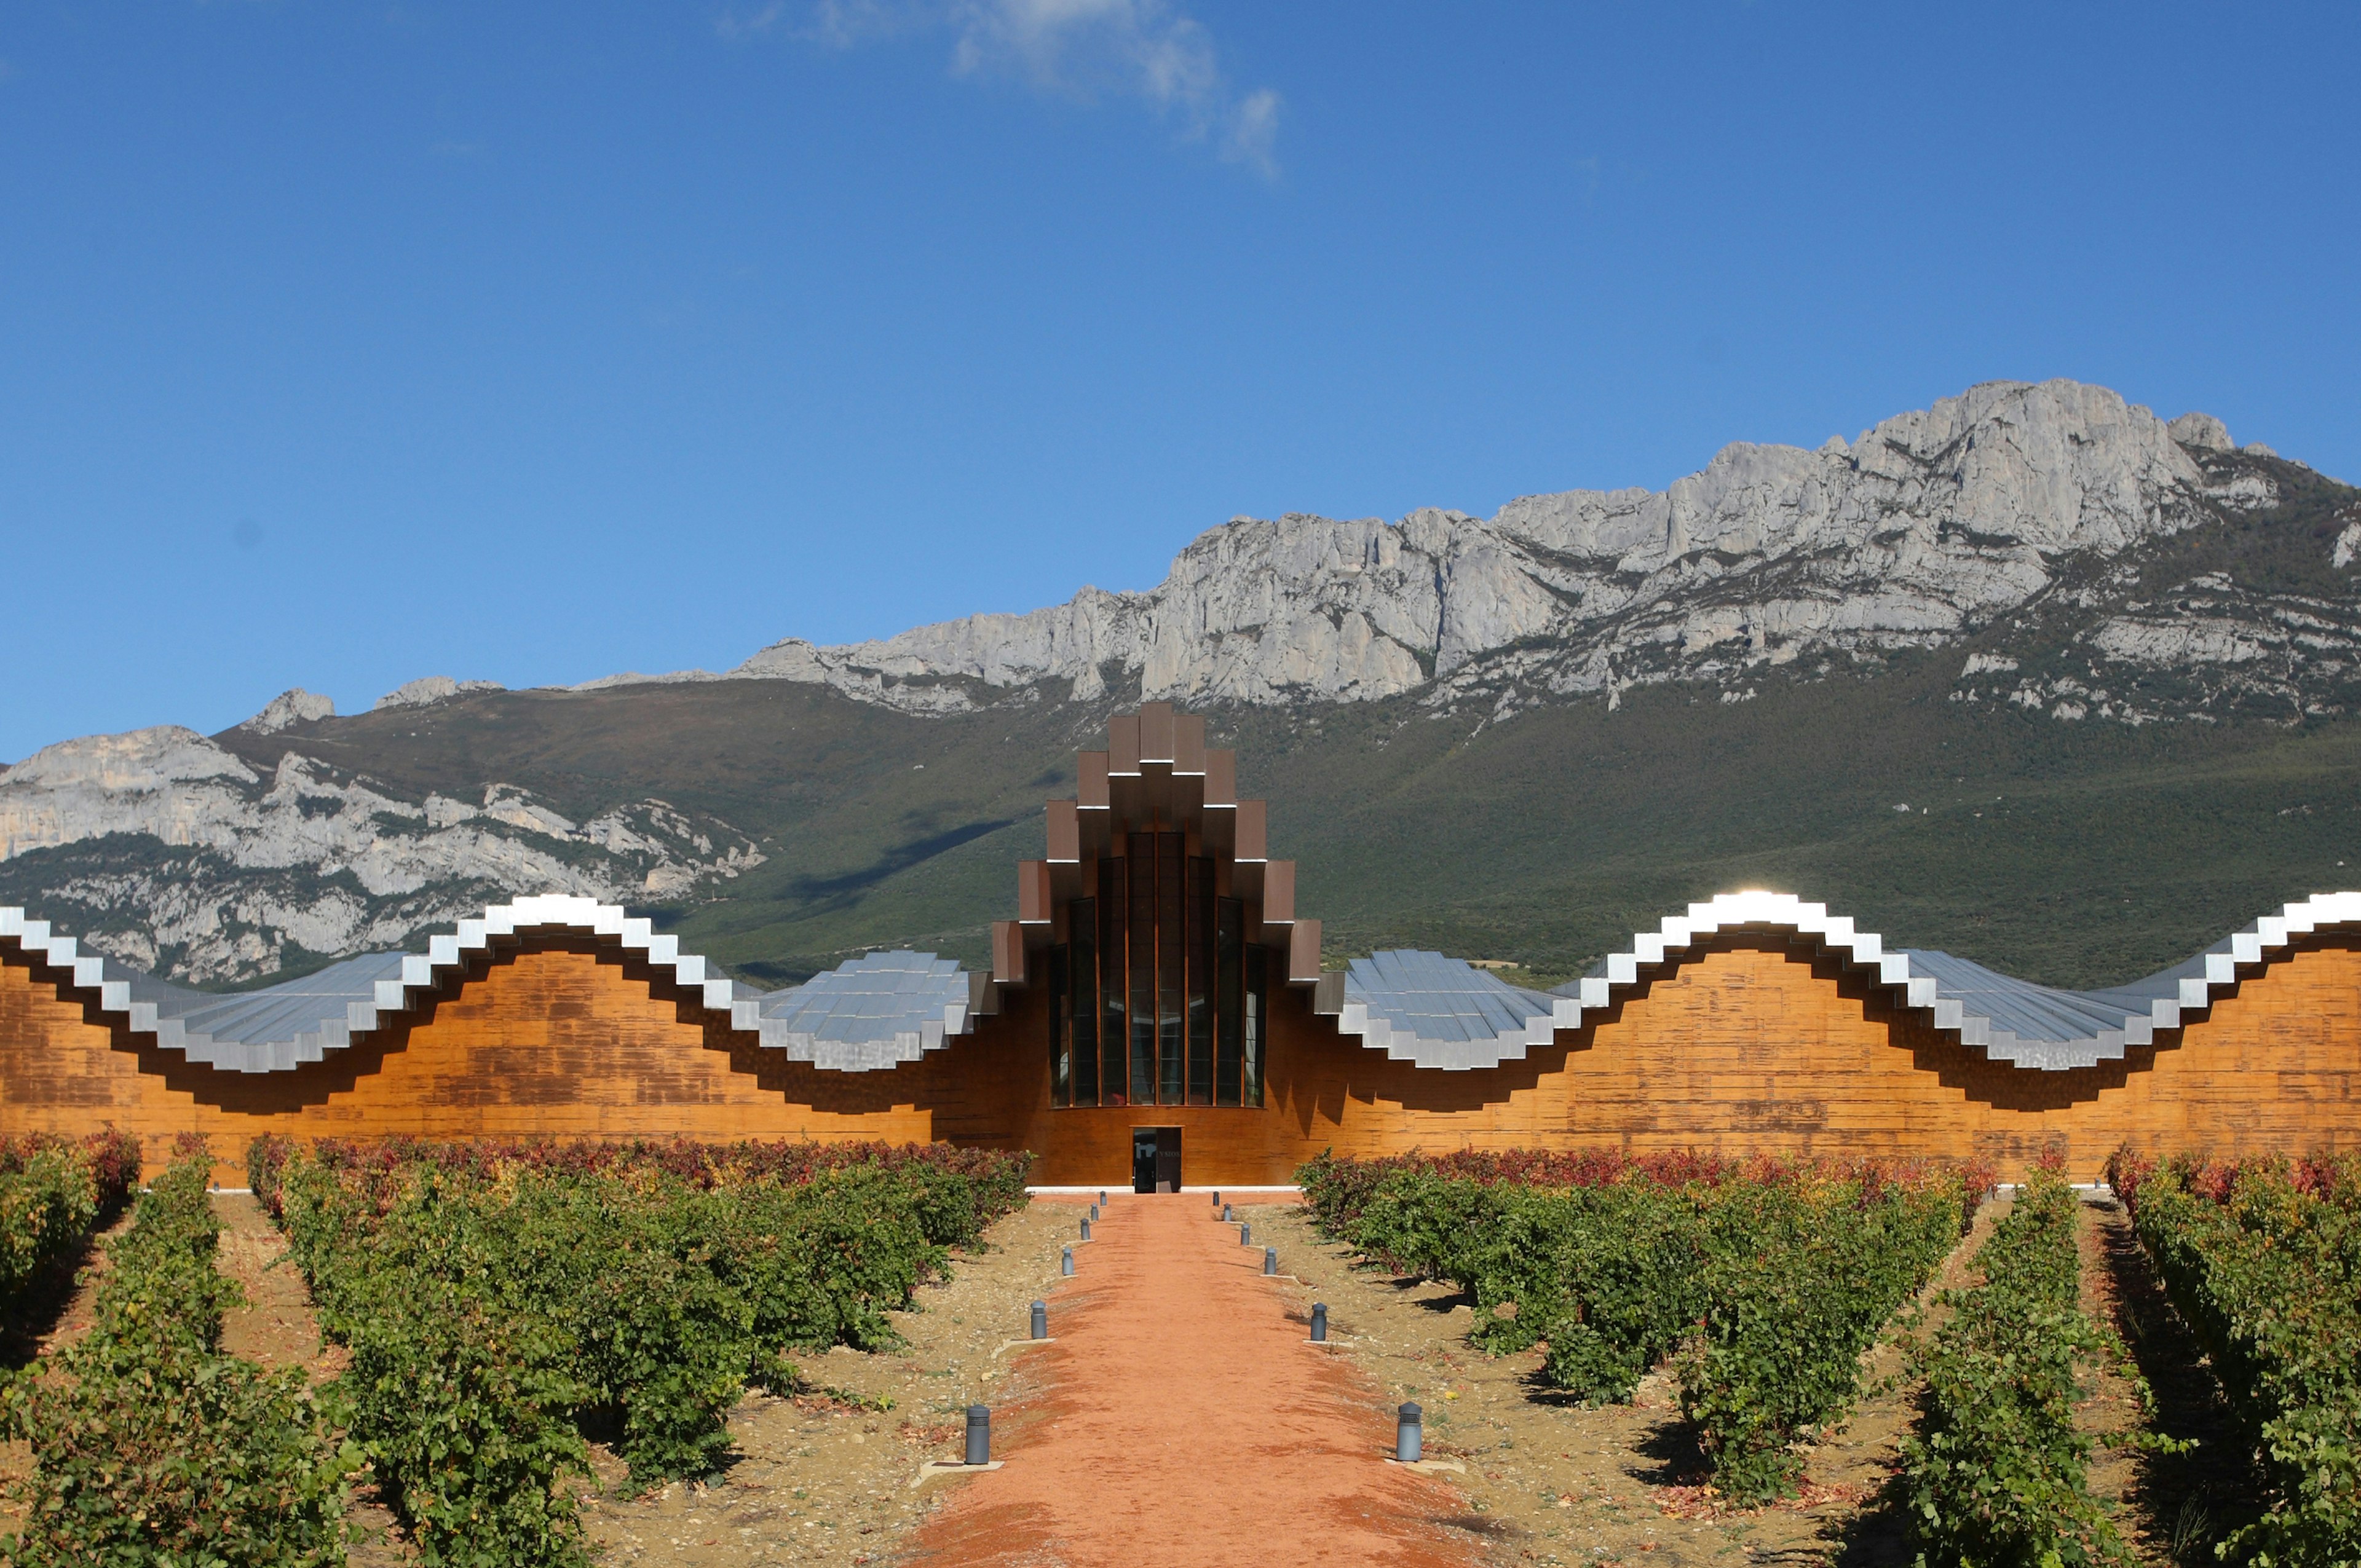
<point>1755,1041</point>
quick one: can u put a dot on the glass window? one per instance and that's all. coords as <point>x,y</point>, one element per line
<point>1061,1054</point>
<point>1082,975</point>
<point>1141,939</point>
<point>1252,1039</point>
<point>1200,941</point>
<point>1113,1084</point>
<point>1156,996</point>
<point>1230,988</point>
<point>1171,978</point>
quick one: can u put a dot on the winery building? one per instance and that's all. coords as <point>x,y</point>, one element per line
<point>1156,1014</point>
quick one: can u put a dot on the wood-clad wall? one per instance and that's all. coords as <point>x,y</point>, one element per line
<point>1750,1046</point>
<point>565,1040</point>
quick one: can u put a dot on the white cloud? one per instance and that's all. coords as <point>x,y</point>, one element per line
<point>1080,49</point>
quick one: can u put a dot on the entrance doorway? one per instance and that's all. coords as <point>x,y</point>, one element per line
<point>1155,1159</point>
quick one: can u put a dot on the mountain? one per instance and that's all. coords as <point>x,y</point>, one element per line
<point>2107,662</point>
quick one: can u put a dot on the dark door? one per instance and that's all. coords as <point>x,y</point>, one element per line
<point>1155,1159</point>
<point>1143,1159</point>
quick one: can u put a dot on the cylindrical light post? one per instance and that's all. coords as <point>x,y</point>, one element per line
<point>1040,1319</point>
<point>1319,1323</point>
<point>979,1434</point>
<point>1410,1434</point>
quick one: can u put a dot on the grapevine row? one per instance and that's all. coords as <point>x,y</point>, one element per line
<point>501,1302</point>
<point>2263,1260</point>
<point>1763,1280</point>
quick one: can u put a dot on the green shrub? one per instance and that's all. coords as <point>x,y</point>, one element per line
<point>1799,1278</point>
<point>150,1447</point>
<point>54,1192</point>
<point>465,1415</point>
<point>1996,1475</point>
<point>500,1300</point>
<point>1775,1276</point>
<point>2263,1260</point>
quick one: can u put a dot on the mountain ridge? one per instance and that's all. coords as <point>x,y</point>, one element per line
<point>2023,552</point>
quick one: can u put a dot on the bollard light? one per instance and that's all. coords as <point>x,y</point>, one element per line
<point>1410,1436</point>
<point>1270,1260</point>
<point>1102,1194</point>
<point>1246,1235</point>
<point>1040,1319</point>
<point>1217,1198</point>
<point>1094,1211</point>
<point>1319,1323</point>
<point>1086,1227</point>
<point>979,1434</point>
<point>1066,1265</point>
<point>1228,1218</point>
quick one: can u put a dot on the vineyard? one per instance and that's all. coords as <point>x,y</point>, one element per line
<point>1756,1287</point>
<point>2263,1260</point>
<point>502,1308</point>
<point>1764,1282</point>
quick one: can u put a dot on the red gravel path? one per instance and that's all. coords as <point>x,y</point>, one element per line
<point>1185,1423</point>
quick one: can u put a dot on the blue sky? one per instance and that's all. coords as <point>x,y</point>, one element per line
<point>342,344</point>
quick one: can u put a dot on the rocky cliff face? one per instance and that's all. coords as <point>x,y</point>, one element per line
<point>1931,528</point>
<point>180,859</point>
<point>2075,555</point>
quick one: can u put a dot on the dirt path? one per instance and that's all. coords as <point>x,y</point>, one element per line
<point>1184,1422</point>
<point>2175,1506</point>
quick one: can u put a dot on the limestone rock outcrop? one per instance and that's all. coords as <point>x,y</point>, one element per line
<point>1917,532</point>
<point>294,706</point>
<point>193,864</point>
<point>431,689</point>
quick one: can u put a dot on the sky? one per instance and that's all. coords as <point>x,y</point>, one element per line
<point>343,344</point>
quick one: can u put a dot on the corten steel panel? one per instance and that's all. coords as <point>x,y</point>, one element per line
<point>1033,893</point>
<point>1221,778</point>
<point>1253,841</point>
<point>1279,892</point>
<point>1090,780</point>
<point>1155,732</point>
<point>1065,830</point>
<point>1303,952</point>
<point>1008,953</point>
<point>1189,743</point>
<point>1123,745</point>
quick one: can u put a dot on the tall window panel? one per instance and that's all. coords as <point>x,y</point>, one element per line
<point>1115,1084</point>
<point>1155,997</point>
<point>1171,967</point>
<point>1082,975</point>
<point>1061,1039</point>
<point>1199,938</point>
<point>1255,1037</point>
<point>1140,936</point>
<point>1229,999</point>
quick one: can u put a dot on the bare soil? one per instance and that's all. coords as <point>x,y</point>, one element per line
<point>1549,1480</point>
<point>2174,1507</point>
<point>826,1477</point>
